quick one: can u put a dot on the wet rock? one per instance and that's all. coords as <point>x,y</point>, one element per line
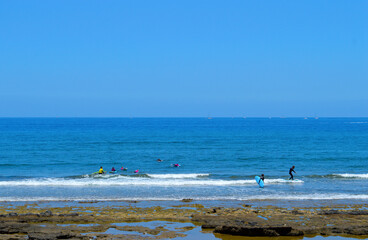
<point>13,227</point>
<point>187,200</point>
<point>47,213</point>
<point>328,212</point>
<point>258,231</point>
<point>333,212</point>
<point>69,215</point>
<point>12,236</point>
<point>296,212</point>
<point>358,212</point>
<point>54,236</point>
<point>359,230</point>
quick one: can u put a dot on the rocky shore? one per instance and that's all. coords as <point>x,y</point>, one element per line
<point>86,221</point>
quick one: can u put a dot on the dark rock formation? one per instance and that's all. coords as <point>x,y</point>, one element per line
<point>258,231</point>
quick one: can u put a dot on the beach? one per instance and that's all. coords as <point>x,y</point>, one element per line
<point>184,219</point>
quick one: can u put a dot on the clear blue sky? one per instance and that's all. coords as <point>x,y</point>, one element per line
<point>183,58</point>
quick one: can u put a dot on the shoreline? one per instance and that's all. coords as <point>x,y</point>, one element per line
<point>187,219</point>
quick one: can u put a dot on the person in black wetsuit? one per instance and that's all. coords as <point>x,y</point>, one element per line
<point>291,173</point>
<point>262,177</point>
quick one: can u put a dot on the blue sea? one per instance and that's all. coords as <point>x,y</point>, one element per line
<point>56,158</point>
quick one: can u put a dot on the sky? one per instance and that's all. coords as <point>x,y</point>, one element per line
<point>183,58</point>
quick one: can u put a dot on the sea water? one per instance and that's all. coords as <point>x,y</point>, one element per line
<point>55,158</point>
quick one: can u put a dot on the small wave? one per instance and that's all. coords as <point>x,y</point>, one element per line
<point>342,176</point>
<point>351,175</point>
<point>178,176</point>
<point>128,181</point>
<point>357,122</point>
<point>301,197</point>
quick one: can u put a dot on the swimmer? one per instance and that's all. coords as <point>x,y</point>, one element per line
<point>101,171</point>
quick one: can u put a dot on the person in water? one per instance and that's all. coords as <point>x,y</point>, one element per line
<point>101,171</point>
<point>159,160</point>
<point>291,173</point>
<point>262,177</point>
<point>176,165</point>
<point>113,169</point>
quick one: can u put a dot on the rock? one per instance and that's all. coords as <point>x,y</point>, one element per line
<point>328,212</point>
<point>13,227</point>
<point>296,212</point>
<point>358,230</point>
<point>69,215</point>
<point>47,213</point>
<point>187,200</point>
<point>54,236</point>
<point>258,231</point>
<point>358,212</point>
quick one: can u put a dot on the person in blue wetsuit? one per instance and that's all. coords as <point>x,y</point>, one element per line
<point>291,173</point>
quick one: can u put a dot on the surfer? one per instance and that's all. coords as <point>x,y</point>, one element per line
<point>136,171</point>
<point>176,165</point>
<point>159,160</point>
<point>101,171</point>
<point>113,169</point>
<point>262,177</point>
<point>291,173</point>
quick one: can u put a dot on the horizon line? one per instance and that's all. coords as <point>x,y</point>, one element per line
<point>208,117</point>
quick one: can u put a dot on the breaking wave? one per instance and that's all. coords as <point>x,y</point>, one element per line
<point>342,176</point>
<point>181,180</point>
<point>293,197</point>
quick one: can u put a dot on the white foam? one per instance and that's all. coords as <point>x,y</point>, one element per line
<point>301,197</point>
<point>352,175</point>
<point>176,176</point>
<point>129,181</point>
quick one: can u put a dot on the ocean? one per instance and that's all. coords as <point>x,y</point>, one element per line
<point>55,158</point>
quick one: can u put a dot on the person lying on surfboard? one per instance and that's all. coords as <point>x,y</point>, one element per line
<point>291,173</point>
<point>101,171</point>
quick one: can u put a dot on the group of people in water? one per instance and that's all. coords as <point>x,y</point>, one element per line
<point>113,170</point>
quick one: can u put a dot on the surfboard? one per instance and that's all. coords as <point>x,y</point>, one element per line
<point>259,181</point>
<point>113,171</point>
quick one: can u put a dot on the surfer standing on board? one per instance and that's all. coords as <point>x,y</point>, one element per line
<point>291,173</point>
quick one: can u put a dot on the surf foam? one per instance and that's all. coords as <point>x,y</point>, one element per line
<point>351,175</point>
<point>129,181</point>
<point>177,176</point>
